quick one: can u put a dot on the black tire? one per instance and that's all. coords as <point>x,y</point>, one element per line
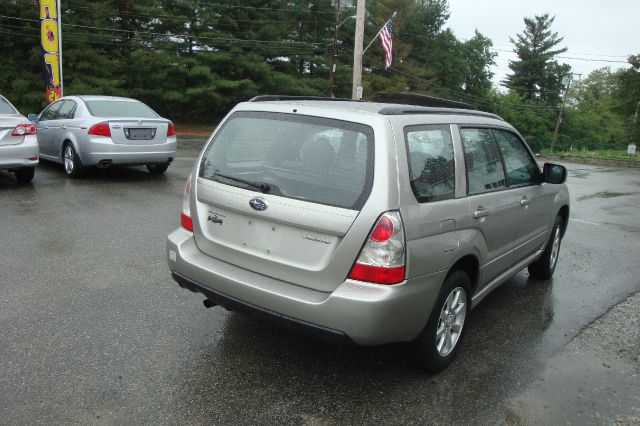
<point>436,352</point>
<point>158,168</point>
<point>544,267</point>
<point>25,174</point>
<point>71,162</point>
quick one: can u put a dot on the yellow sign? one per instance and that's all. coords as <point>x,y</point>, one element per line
<point>51,49</point>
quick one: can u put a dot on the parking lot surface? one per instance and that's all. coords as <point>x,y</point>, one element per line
<point>94,330</point>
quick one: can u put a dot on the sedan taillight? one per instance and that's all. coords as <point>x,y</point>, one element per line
<point>171,130</point>
<point>100,129</point>
<point>24,130</point>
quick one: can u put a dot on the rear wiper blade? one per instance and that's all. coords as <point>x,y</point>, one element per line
<point>262,186</point>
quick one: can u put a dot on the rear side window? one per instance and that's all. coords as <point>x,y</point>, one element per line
<point>135,109</point>
<point>308,158</point>
<point>485,172</point>
<point>6,108</point>
<point>67,110</point>
<point>51,111</point>
<point>431,163</point>
<point>521,169</point>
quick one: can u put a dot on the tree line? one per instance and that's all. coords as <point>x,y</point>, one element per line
<point>192,60</point>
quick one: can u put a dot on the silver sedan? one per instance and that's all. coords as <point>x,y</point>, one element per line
<point>18,145</point>
<point>82,131</point>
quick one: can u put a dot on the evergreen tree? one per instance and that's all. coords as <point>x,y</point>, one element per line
<point>626,98</point>
<point>478,60</point>
<point>536,75</point>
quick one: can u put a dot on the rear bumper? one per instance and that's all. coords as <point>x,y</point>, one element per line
<point>367,314</point>
<point>99,149</point>
<point>19,156</point>
<point>253,311</point>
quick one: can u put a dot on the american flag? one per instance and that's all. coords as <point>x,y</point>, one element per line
<point>387,42</point>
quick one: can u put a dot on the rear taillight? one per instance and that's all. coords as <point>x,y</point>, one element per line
<point>24,130</point>
<point>100,129</point>
<point>171,130</point>
<point>382,259</point>
<point>185,214</point>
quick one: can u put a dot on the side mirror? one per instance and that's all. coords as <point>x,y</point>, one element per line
<point>32,117</point>
<point>554,173</point>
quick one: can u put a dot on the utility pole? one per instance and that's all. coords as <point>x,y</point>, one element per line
<point>356,90</point>
<point>561,113</point>
<point>332,70</point>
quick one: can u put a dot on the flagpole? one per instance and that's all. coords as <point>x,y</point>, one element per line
<point>376,36</point>
<point>60,46</point>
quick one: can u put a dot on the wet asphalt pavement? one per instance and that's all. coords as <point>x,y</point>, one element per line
<point>94,330</point>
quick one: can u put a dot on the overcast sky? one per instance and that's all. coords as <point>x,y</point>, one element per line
<point>592,29</point>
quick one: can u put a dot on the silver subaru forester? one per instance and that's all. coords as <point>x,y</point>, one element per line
<point>365,222</point>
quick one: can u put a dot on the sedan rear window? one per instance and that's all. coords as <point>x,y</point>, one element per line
<point>6,108</point>
<point>105,108</point>
<point>314,159</point>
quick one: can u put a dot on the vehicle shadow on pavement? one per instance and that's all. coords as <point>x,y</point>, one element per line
<point>262,370</point>
<point>121,174</point>
<point>8,182</point>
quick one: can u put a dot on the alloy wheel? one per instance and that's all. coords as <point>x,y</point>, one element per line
<point>451,321</point>
<point>69,159</point>
<point>555,248</point>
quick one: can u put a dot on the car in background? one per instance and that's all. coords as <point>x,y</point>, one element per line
<point>367,222</point>
<point>18,144</point>
<point>83,131</point>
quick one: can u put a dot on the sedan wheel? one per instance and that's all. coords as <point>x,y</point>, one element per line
<point>72,164</point>
<point>25,174</point>
<point>69,157</point>
<point>158,168</point>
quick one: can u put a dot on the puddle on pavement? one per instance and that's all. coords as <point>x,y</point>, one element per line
<point>605,194</point>
<point>579,174</point>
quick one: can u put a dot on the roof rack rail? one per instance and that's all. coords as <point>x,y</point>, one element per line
<point>408,110</point>
<point>270,98</point>
<point>419,100</point>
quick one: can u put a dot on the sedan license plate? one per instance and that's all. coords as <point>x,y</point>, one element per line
<point>140,134</point>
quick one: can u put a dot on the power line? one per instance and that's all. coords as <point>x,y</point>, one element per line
<point>232,6</point>
<point>186,19</point>
<point>152,44</point>
<point>231,39</point>
<point>508,44</point>
<point>557,56</point>
<point>575,58</point>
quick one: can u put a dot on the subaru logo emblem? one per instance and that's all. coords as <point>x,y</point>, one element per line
<point>258,204</point>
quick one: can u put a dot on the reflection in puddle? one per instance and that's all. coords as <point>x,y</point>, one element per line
<point>605,194</point>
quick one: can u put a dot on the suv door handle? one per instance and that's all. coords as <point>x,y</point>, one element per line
<point>480,213</point>
<point>525,201</point>
<point>64,126</point>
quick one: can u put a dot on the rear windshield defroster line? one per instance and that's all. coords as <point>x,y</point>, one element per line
<point>319,160</point>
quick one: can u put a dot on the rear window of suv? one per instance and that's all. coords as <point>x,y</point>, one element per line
<point>120,109</point>
<point>314,159</point>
